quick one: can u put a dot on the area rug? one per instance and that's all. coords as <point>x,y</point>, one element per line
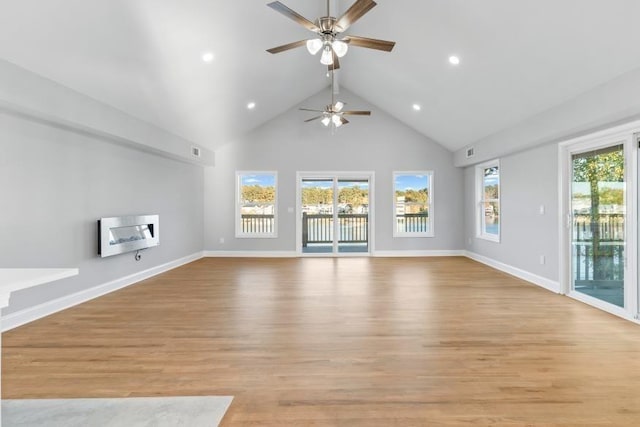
<point>191,411</point>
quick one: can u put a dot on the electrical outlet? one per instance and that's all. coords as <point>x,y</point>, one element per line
<point>542,259</point>
<point>222,240</point>
<point>541,210</point>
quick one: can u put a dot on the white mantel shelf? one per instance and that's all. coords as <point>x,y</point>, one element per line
<point>15,279</point>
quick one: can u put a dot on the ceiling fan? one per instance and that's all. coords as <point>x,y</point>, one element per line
<point>333,113</point>
<point>329,30</point>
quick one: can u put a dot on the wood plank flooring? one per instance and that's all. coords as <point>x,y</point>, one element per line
<point>341,342</point>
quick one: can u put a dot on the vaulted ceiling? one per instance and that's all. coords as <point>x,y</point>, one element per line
<point>518,58</point>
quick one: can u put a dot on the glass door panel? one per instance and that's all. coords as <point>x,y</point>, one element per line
<point>335,215</point>
<point>317,215</point>
<point>353,215</point>
<point>598,211</point>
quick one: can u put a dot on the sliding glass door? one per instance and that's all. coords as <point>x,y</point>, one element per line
<point>353,216</point>
<point>334,214</point>
<point>317,209</point>
<point>599,215</point>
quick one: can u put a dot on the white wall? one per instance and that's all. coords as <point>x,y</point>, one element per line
<point>528,180</point>
<point>614,102</point>
<point>23,93</point>
<point>55,184</point>
<point>528,156</point>
<point>378,143</point>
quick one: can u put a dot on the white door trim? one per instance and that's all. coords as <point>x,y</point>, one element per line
<point>335,175</point>
<point>619,134</point>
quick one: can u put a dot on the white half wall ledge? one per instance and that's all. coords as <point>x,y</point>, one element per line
<point>31,314</point>
<point>543,282</point>
<point>15,279</point>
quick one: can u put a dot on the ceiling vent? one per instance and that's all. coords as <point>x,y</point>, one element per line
<point>471,152</point>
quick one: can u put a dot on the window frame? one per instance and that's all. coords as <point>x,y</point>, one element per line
<point>238,208</point>
<point>430,205</point>
<point>480,201</point>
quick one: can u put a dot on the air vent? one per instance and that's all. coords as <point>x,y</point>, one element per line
<point>471,152</point>
<point>195,151</point>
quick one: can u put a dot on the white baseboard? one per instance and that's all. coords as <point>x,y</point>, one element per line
<point>435,253</point>
<point>250,254</point>
<point>543,282</point>
<point>30,314</point>
<point>293,254</point>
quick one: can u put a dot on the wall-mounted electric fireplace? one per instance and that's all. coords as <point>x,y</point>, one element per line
<point>117,235</point>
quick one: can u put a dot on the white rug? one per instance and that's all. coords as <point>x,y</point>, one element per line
<point>192,411</point>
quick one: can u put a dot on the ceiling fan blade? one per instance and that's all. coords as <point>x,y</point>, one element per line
<point>344,121</point>
<point>336,62</point>
<point>355,12</point>
<point>357,113</point>
<point>287,46</point>
<point>378,44</point>
<point>309,109</point>
<point>289,13</point>
<point>313,118</point>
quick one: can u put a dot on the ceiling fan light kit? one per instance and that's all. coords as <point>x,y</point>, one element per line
<point>340,48</point>
<point>328,29</point>
<point>327,56</point>
<point>314,46</point>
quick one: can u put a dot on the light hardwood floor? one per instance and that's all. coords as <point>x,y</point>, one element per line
<point>344,342</point>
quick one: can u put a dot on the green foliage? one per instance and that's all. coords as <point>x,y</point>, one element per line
<point>491,192</point>
<point>611,196</point>
<point>415,196</point>
<point>258,194</point>
<point>606,167</point>
<point>596,168</point>
<point>355,196</point>
<point>317,196</point>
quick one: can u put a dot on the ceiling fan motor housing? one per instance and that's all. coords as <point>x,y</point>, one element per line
<point>327,25</point>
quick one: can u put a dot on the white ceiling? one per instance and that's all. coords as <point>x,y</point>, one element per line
<point>519,58</point>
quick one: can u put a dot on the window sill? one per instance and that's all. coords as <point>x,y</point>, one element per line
<point>256,236</point>
<point>489,237</point>
<point>403,235</point>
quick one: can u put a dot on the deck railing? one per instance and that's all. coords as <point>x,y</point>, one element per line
<point>610,257</point>
<point>412,223</point>
<point>354,228</point>
<point>258,224</point>
<point>318,228</point>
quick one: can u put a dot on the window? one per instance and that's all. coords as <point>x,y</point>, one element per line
<point>413,204</point>
<point>256,204</point>
<point>488,200</point>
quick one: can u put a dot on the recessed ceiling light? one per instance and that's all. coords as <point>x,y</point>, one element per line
<point>251,105</point>
<point>454,60</point>
<point>207,57</point>
<point>417,107</point>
